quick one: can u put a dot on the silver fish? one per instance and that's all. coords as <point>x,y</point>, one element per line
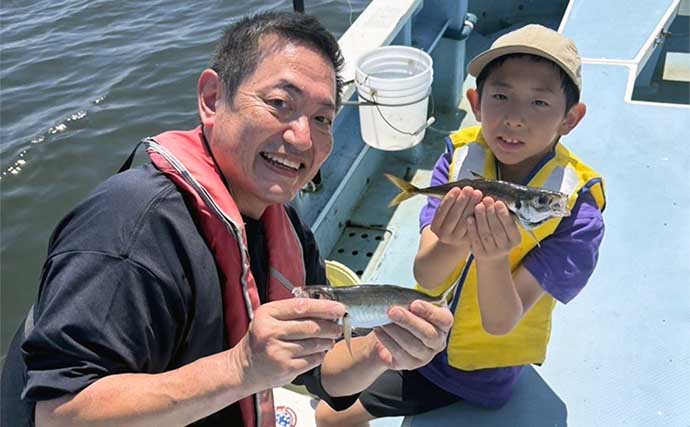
<point>532,206</point>
<point>367,305</point>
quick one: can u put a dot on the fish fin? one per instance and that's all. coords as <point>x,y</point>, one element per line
<point>407,190</point>
<point>347,331</point>
<point>477,175</point>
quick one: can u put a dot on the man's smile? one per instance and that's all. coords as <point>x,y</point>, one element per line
<point>282,161</point>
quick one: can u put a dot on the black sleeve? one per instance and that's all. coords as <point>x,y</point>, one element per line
<point>98,315</point>
<point>312,380</point>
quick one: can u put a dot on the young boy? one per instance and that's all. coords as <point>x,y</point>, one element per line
<point>527,97</point>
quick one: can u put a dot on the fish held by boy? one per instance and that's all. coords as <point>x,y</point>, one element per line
<point>532,206</point>
<point>367,305</point>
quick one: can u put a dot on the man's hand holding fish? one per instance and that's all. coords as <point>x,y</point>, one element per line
<point>286,338</point>
<point>415,336</point>
<point>408,340</point>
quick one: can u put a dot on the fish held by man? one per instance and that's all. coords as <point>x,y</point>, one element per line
<point>367,305</point>
<point>532,206</point>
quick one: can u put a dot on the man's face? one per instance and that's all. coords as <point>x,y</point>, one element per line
<point>522,113</point>
<point>277,133</point>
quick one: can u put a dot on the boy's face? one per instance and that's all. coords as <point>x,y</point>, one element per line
<point>522,113</point>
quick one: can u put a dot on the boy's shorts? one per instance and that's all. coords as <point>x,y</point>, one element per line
<point>399,393</point>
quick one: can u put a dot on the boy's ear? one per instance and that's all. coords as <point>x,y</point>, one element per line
<point>572,118</point>
<point>475,103</point>
<point>208,94</point>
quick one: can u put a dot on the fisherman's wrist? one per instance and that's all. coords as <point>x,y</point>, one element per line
<point>240,368</point>
<point>372,352</point>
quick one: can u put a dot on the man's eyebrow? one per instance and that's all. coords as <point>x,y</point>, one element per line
<point>290,87</point>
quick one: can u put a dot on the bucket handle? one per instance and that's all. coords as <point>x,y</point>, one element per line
<point>430,121</point>
<point>373,103</point>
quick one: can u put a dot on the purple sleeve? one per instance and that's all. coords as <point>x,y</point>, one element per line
<point>439,176</point>
<point>566,259</point>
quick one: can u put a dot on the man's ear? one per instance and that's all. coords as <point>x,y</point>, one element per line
<point>572,118</point>
<point>208,95</point>
<point>475,103</point>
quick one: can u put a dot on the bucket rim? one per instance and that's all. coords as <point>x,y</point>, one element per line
<point>422,75</point>
<point>394,47</point>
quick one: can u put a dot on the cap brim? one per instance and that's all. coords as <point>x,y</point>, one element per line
<point>480,61</point>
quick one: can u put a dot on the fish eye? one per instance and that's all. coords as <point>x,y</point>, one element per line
<point>317,295</point>
<point>518,204</point>
<point>542,200</point>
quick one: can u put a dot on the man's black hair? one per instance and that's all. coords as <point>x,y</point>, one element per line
<point>572,94</point>
<point>238,52</point>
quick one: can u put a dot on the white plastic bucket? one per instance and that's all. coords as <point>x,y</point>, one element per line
<point>397,80</point>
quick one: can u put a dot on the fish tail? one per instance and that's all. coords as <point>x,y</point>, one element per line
<point>407,190</point>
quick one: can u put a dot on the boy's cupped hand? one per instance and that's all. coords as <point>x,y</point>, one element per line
<point>491,229</point>
<point>450,221</point>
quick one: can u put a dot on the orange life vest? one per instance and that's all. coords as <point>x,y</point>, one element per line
<point>184,158</point>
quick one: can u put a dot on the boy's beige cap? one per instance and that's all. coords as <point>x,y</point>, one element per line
<point>536,40</point>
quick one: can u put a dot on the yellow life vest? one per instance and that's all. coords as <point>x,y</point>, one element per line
<point>470,347</point>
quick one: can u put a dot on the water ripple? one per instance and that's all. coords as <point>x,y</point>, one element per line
<point>81,82</point>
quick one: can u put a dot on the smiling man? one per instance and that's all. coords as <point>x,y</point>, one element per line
<point>266,161</point>
<point>166,295</point>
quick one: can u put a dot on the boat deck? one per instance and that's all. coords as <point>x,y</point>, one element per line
<point>619,353</point>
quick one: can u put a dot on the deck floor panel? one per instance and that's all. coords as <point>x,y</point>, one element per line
<point>629,24</point>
